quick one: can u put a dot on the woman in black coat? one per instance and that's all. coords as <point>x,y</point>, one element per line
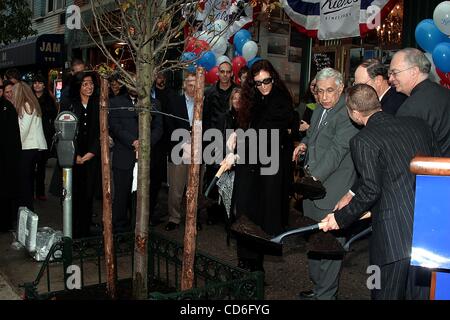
<point>266,104</point>
<point>85,105</point>
<point>49,113</point>
<point>10,149</point>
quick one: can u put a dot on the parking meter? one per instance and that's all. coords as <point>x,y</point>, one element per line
<point>66,125</point>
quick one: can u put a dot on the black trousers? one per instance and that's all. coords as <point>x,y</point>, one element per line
<point>27,165</point>
<point>82,200</point>
<point>400,281</point>
<point>123,180</point>
<point>8,213</point>
<point>40,172</point>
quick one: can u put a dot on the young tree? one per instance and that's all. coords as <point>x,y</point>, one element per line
<point>15,20</point>
<point>150,29</point>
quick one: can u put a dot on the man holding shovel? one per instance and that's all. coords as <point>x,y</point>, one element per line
<point>382,152</point>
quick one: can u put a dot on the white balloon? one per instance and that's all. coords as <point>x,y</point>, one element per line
<point>222,59</point>
<point>218,45</point>
<point>219,26</point>
<point>441,17</point>
<point>249,50</point>
<point>204,35</point>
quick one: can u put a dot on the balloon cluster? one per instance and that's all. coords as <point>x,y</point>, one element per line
<point>432,35</point>
<point>207,49</point>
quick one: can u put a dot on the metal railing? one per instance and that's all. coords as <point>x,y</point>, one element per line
<point>214,279</point>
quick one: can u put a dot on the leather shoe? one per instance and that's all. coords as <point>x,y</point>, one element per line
<point>171,226</point>
<point>307,295</point>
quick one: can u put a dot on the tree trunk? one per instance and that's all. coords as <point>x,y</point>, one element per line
<point>190,235</point>
<point>106,184</point>
<point>144,77</point>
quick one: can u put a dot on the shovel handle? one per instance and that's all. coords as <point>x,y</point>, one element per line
<point>216,178</point>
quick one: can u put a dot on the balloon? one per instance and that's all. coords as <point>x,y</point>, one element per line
<point>200,46</point>
<point>251,62</point>
<point>222,59</point>
<point>249,50</point>
<point>240,38</point>
<point>189,57</point>
<point>219,45</point>
<point>441,56</point>
<point>204,35</point>
<point>237,63</point>
<point>428,35</point>
<point>212,75</point>
<point>219,26</point>
<point>441,17</point>
<point>191,68</point>
<point>190,43</point>
<point>207,60</point>
<point>444,76</point>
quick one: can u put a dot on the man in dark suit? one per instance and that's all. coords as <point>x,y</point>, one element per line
<point>382,152</point>
<point>328,159</point>
<point>375,74</point>
<point>181,107</point>
<point>409,72</point>
<point>124,129</point>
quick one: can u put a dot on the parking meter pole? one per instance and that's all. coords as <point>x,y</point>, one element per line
<point>66,131</point>
<point>67,202</point>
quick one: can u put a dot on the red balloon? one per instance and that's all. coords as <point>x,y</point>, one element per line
<point>190,44</point>
<point>445,76</point>
<point>200,46</point>
<point>237,63</point>
<point>212,76</point>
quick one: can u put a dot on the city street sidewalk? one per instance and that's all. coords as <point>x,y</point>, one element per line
<point>6,291</point>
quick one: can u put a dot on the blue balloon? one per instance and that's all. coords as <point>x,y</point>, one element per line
<point>188,56</point>
<point>207,60</point>
<point>251,62</point>
<point>428,36</point>
<point>191,68</point>
<point>441,56</point>
<point>240,38</point>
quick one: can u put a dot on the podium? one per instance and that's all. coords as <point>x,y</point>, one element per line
<point>431,228</point>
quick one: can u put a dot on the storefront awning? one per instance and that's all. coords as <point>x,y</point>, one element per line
<point>44,50</point>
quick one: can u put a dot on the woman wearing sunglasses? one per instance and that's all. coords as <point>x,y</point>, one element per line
<point>266,107</point>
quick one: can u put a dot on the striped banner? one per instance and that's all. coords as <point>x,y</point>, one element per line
<point>335,19</point>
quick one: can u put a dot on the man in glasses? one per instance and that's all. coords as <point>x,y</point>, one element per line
<point>382,152</point>
<point>328,159</point>
<point>408,72</point>
<point>375,74</point>
<point>215,108</point>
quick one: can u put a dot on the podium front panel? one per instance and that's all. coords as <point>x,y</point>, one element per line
<point>431,229</point>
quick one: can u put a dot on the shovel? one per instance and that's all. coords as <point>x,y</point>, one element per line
<point>253,236</point>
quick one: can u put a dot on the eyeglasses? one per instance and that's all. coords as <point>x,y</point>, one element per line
<point>226,71</point>
<point>265,81</point>
<point>328,91</point>
<point>355,83</point>
<point>394,72</point>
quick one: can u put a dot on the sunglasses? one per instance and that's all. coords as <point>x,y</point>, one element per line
<point>265,81</point>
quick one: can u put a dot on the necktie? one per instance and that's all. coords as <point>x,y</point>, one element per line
<point>322,120</point>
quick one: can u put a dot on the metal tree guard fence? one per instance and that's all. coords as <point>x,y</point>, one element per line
<point>214,279</point>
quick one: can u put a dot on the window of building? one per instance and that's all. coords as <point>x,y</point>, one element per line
<point>55,5</point>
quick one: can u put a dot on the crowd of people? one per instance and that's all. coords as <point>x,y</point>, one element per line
<point>357,141</point>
